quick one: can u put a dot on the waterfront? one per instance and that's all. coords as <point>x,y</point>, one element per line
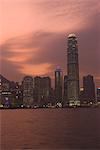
<point>50,128</point>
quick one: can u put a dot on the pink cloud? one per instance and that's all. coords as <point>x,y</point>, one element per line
<point>34,35</point>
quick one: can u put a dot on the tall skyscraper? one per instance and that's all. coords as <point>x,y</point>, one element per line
<point>89,89</point>
<point>73,71</point>
<point>58,84</point>
<point>27,87</point>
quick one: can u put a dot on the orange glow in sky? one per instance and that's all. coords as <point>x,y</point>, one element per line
<point>33,36</point>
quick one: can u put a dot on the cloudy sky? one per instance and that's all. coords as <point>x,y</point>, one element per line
<point>33,36</point>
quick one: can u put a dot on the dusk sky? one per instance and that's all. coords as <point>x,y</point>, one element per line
<point>33,36</point>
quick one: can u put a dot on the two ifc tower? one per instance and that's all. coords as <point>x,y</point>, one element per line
<point>72,80</point>
<point>72,71</point>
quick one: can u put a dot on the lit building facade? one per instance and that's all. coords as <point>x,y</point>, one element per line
<point>73,71</point>
<point>27,88</point>
<point>5,93</point>
<point>58,85</point>
<point>81,96</point>
<point>89,89</point>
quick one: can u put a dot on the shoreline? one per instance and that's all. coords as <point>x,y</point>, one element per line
<point>89,107</point>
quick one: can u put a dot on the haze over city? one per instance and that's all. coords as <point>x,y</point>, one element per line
<point>33,36</point>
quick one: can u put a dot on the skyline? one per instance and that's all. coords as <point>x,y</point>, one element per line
<point>37,31</point>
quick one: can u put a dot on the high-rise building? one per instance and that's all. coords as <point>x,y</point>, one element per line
<point>5,93</point>
<point>98,95</point>
<point>27,87</point>
<point>81,96</point>
<point>65,101</point>
<point>37,89</point>
<point>89,89</point>
<point>10,93</point>
<point>58,85</point>
<point>73,71</point>
<point>42,87</point>
<point>46,86</point>
<point>16,91</point>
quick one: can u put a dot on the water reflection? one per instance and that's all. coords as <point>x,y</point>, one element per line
<point>50,129</point>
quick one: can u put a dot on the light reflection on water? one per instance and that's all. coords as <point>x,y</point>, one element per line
<point>50,129</point>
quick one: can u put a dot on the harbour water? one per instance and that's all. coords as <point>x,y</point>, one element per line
<point>49,129</point>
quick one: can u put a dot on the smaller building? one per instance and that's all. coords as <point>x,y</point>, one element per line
<point>16,90</point>
<point>65,98</point>
<point>5,93</point>
<point>89,89</point>
<point>81,96</point>
<point>58,84</point>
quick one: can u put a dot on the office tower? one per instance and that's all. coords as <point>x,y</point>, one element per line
<point>37,89</point>
<point>46,87</point>
<point>58,85</point>
<point>42,87</point>
<point>4,83</point>
<point>65,99</point>
<point>98,95</point>
<point>89,89</point>
<point>73,71</point>
<point>5,93</point>
<point>27,87</point>
<point>16,91</point>
<point>81,96</point>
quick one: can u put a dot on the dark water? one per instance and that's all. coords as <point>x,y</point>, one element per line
<point>50,129</point>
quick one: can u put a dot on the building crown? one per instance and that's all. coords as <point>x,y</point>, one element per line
<point>71,35</point>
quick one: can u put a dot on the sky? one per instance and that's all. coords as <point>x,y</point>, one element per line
<point>33,37</point>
